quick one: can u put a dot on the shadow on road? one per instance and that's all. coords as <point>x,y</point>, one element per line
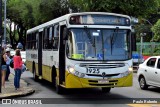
<point>154,89</point>
<point>93,93</point>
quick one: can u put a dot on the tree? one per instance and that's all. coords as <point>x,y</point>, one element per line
<point>141,9</point>
<point>51,9</point>
<point>156,30</point>
<point>29,13</point>
<point>26,14</point>
<point>143,28</point>
<point>20,12</point>
<point>136,8</point>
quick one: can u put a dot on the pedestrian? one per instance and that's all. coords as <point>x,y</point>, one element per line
<point>19,46</point>
<point>8,63</point>
<point>3,67</point>
<point>17,68</point>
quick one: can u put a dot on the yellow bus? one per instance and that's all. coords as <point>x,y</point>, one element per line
<point>82,50</point>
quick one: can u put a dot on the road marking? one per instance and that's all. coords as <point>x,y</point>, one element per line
<point>144,105</point>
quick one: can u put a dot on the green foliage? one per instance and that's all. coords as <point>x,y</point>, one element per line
<point>20,12</point>
<point>136,8</point>
<point>156,30</point>
<point>29,13</point>
<point>51,9</point>
<point>143,28</point>
<point>149,54</point>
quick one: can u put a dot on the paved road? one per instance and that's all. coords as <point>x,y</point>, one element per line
<point>45,89</point>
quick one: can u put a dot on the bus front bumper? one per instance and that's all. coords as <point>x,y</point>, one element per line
<point>76,82</point>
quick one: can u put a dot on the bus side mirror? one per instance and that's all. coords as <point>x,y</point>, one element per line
<point>65,34</point>
<point>133,42</point>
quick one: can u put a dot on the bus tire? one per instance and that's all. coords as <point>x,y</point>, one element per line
<point>106,89</point>
<point>34,72</point>
<point>54,76</point>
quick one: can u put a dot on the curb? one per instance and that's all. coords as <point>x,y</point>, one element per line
<point>27,91</point>
<point>17,95</point>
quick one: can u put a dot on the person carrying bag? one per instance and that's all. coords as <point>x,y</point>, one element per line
<point>17,68</point>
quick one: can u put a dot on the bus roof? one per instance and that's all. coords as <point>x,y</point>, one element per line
<point>66,17</point>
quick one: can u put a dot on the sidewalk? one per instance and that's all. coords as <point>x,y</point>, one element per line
<point>9,90</point>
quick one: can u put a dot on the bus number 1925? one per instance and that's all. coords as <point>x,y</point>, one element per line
<point>93,71</point>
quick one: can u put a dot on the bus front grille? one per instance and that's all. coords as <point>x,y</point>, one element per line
<point>102,66</point>
<point>100,75</point>
<point>96,81</point>
<point>110,83</point>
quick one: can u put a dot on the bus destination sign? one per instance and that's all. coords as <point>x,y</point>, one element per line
<point>100,20</point>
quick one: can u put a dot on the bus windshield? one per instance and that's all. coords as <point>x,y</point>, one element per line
<point>98,44</point>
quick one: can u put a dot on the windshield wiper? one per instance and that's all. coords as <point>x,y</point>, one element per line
<point>112,39</point>
<point>89,36</point>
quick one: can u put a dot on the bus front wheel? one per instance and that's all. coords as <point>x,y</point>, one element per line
<point>106,89</point>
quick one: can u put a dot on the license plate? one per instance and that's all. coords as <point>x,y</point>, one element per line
<point>93,71</point>
<point>103,81</point>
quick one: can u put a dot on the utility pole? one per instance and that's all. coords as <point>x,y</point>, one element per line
<point>0,42</point>
<point>5,22</point>
<point>152,43</point>
<point>141,50</point>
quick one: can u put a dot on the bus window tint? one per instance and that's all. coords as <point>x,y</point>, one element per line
<point>46,39</point>
<point>56,37</point>
<point>70,46</point>
<point>37,34</point>
<point>98,44</point>
<point>51,32</point>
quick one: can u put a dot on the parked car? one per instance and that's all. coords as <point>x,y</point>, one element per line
<point>149,72</point>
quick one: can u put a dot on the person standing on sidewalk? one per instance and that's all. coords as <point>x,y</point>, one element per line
<point>8,63</point>
<point>3,67</point>
<point>17,68</point>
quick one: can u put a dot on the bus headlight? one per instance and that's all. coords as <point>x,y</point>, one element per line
<point>124,74</point>
<point>130,69</point>
<point>76,73</point>
<point>71,69</point>
<point>79,74</point>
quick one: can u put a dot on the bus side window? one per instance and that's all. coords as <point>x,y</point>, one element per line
<point>34,41</point>
<point>43,39</point>
<point>56,37</point>
<point>37,34</point>
<point>46,38</point>
<point>51,32</point>
<point>69,46</point>
<point>27,46</point>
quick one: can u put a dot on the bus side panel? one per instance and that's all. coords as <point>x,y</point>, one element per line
<point>46,71</point>
<point>29,65</point>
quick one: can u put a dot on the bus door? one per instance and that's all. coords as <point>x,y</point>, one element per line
<point>40,52</point>
<point>62,61</point>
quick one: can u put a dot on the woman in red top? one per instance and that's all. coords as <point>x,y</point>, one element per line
<point>17,67</point>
